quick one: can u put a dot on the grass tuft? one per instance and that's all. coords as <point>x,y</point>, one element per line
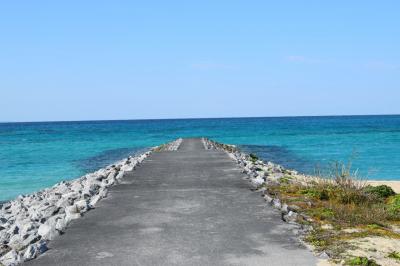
<point>394,205</point>
<point>394,255</point>
<point>363,261</point>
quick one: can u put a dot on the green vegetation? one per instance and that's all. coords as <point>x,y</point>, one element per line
<point>394,205</point>
<point>340,208</point>
<point>363,261</point>
<point>381,191</point>
<point>394,255</point>
<point>374,226</point>
<point>286,179</point>
<point>253,157</point>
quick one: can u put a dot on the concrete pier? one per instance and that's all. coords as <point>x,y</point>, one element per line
<point>187,207</point>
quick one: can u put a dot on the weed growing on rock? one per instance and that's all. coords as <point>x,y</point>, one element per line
<point>253,157</point>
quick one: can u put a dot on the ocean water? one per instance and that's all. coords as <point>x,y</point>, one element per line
<point>37,155</point>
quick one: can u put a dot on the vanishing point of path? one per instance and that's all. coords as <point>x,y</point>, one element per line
<point>185,207</point>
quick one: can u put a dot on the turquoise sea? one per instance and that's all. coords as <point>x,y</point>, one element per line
<point>37,155</point>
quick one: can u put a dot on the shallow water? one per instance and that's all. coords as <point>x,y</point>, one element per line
<point>37,155</point>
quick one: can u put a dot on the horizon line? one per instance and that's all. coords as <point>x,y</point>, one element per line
<point>192,118</point>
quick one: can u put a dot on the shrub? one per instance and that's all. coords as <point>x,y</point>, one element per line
<point>316,192</point>
<point>381,191</point>
<point>354,195</point>
<point>359,214</point>
<point>345,187</point>
<point>394,205</point>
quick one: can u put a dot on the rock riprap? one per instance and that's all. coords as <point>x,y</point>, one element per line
<point>30,221</point>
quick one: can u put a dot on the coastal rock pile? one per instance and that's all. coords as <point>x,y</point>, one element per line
<point>173,146</point>
<point>261,174</point>
<point>30,221</point>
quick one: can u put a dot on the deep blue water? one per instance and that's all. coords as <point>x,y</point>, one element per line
<point>37,155</point>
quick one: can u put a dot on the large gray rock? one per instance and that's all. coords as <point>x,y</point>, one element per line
<point>82,206</point>
<point>63,202</point>
<point>14,229</point>
<point>48,211</point>
<point>94,200</point>
<point>30,239</point>
<point>290,217</point>
<point>120,175</point>
<point>15,242</point>
<point>3,220</point>
<point>277,203</point>
<point>71,195</point>
<point>76,186</point>
<point>11,258</point>
<point>71,213</point>
<point>31,252</point>
<point>61,224</point>
<point>268,198</point>
<point>34,250</point>
<point>48,231</point>
<point>258,181</point>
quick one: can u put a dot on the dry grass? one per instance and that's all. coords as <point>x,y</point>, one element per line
<point>341,201</point>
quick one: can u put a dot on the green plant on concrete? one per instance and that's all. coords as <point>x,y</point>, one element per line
<point>362,261</point>
<point>382,191</point>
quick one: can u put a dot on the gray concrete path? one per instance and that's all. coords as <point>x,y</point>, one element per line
<point>185,207</point>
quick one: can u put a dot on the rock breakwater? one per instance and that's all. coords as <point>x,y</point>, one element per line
<point>28,222</point>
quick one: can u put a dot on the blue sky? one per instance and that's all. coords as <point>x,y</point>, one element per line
<point>82,60</point>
